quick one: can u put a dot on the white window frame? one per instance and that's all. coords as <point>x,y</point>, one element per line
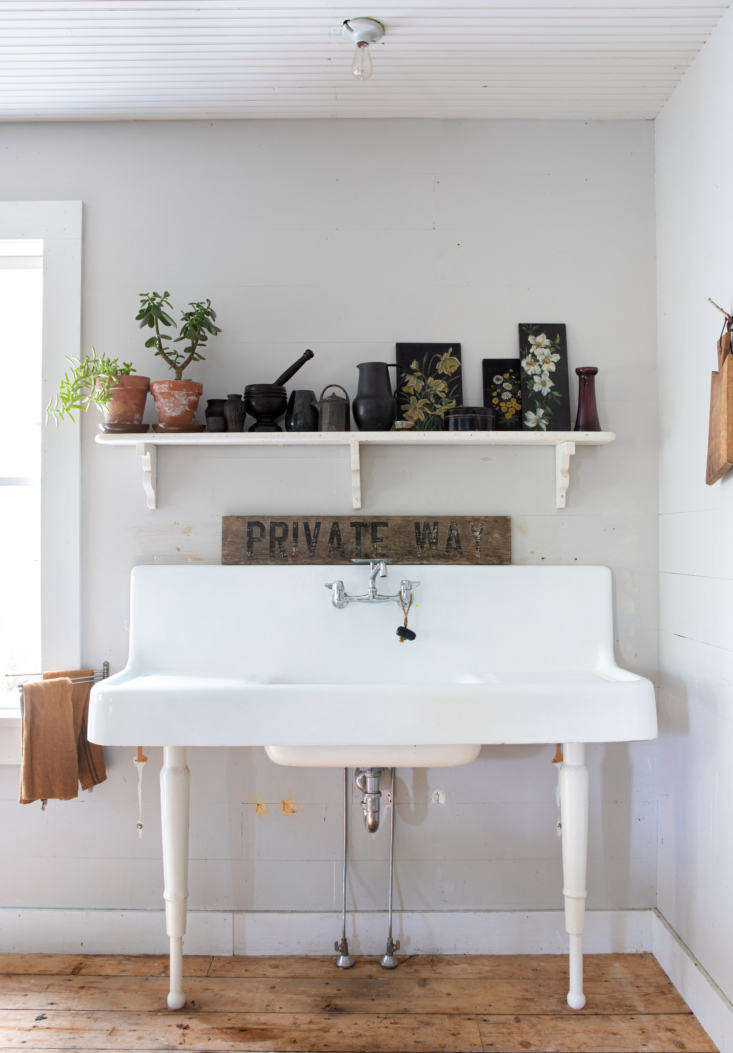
<point>59,225</point>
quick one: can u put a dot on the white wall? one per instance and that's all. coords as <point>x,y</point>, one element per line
<point>695,220</point>
<point>345,237</point>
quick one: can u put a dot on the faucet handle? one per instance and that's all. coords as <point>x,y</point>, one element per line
<point>372,562</point>
<point>338,593</point>
<point>406,593</point>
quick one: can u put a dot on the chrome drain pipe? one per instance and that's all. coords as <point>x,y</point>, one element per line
<point>367,780</point>
<point>344,959</point>
<point>388,960</point>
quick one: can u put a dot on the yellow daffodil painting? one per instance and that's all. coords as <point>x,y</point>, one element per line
<point>428,383</point>
<point>503,392</point>
<point>544,376</point>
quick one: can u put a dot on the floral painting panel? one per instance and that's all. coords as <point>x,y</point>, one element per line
<point>543,354</point>
<point>429,383</point>
<point>503,392</point>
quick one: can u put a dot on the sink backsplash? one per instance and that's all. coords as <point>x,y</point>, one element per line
<point>465,619</point>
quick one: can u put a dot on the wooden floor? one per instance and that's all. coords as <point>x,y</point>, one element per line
<point>497,1004</point>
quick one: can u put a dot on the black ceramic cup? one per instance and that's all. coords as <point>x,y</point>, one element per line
<point>469,418</point>
<point>215,419</point>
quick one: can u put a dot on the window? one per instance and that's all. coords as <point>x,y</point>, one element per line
<point>40,301</point>
<point>21,308</point>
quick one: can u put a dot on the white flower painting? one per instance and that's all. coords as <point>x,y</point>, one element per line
<point>545,393</point>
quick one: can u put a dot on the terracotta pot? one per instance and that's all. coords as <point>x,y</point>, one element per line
<point>176,402</point>
<point>127,404</point>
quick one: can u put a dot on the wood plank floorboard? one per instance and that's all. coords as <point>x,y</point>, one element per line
<point>505,966</point>
<point>245,1031</point>
<point>650,1033</point>
<point>339,994</point>
<point>100,964</point>
<point>471,966</point>
<point>432,1004</point>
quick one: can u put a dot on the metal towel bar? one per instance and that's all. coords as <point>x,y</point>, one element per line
<point>98,674</point>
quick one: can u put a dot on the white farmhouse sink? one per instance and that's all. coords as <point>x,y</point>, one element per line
<point>258,656</point>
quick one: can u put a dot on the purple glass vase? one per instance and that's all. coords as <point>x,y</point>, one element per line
<point>587,416</point>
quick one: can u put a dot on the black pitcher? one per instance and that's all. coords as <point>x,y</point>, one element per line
<point>302,411</point>
<point>374,407</point>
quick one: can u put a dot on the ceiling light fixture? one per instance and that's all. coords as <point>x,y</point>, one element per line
<point>362,32</point>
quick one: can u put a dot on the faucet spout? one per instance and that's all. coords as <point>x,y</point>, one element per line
<point>376,570</point>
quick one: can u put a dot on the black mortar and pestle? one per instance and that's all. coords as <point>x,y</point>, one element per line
<point>268,402</point>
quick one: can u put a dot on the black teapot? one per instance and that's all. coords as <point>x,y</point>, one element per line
<point>333,411</point>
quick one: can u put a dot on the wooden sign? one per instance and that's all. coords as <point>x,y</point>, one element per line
<point>339,539</point>
<point>720,430</point>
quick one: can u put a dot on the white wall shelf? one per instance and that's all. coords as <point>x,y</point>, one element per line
<point>146,445</point>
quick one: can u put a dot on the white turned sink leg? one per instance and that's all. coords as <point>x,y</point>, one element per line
<point>574,819</point>
<point>174,801</point>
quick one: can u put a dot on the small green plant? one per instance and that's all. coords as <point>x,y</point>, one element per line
<point>197,325</point>
<point>88,382</point>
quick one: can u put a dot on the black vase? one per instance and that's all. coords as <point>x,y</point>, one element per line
<point>234,412</point>
<point>374,407</point>
<point>302,412</point>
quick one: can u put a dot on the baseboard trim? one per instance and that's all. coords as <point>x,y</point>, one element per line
<point>440,932</point>
<point>290,932</point>
<point>60,931</point>
<point>706,999</point>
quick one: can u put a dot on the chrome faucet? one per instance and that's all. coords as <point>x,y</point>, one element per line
<point>377,569</point>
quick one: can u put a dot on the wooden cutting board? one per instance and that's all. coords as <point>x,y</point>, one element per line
<point>720,431</point>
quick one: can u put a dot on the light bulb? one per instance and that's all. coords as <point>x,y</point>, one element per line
<point>362,66</point>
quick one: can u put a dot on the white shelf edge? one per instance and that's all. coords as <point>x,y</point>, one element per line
<point>564,442</point>
<point>345,438</point>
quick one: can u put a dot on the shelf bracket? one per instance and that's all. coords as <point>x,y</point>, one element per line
<point>355,456</point>
<point>148,454</point>
<point>563,452</point>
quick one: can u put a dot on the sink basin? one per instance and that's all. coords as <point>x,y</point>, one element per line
<point>258,656</point>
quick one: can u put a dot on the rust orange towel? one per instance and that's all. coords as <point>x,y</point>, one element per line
<point>48,766</point>
<point>90,757</point>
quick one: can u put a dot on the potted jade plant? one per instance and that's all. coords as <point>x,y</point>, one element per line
<point>176,400</point>
<point>117,392</point>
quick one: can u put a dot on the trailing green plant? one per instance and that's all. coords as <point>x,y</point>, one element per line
<point>88,382</point>
<point>197,325</point>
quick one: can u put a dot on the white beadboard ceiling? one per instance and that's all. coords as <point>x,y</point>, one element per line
<point>154,59</point>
